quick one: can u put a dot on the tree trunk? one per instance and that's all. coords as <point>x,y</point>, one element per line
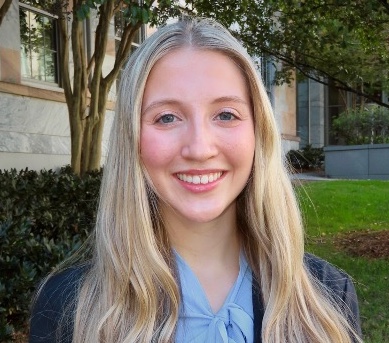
<point>77,102</point>
<point>86,129</point>
<point>72,98</point>
<point>98,129</point>
<point>76,138</point>
<point>94,123</point>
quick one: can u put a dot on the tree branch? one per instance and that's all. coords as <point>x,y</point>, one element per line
<point>339,84</point>
<point>123,52</point>
<point>64,53</point>
<point>101,40</point>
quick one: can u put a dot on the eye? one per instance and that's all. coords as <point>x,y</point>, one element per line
<point>226,116</point>
<point>166,118</point>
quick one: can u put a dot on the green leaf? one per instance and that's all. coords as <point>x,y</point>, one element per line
<point>145,16</point>
<point>83,12</point>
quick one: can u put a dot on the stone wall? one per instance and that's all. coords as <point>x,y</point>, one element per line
<point>10,45</point>
<point>35,133</point>
<point>368,161</point>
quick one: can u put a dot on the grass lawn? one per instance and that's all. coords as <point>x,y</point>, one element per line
<point>337,207</point>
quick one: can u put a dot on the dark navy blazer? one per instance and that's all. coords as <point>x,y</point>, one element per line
<point>51,319</point>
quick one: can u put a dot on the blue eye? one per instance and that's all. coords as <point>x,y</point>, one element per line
<point>226,116</point>
<point>166,119</point>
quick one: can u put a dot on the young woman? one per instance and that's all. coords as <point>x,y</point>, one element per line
<point>198,235</point>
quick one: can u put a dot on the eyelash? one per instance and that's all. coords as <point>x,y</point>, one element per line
<point>159,120</point>
<point>230,113</point>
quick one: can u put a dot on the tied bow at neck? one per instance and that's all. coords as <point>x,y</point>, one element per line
<point>231,325</point>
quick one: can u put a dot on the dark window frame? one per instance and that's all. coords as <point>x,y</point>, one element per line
<point>54,49</point>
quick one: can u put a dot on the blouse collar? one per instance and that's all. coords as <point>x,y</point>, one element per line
<point>234,322</point>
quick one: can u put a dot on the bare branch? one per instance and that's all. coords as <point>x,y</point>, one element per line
<point>90,65</point>
<point>339,84</point>
<point>123,52</point>
<point>64,53</point>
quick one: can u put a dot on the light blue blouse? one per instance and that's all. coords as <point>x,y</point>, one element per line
<point>233,323</point>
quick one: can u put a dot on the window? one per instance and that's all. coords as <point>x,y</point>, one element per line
<point>39,42</point>
<point>266,73</point>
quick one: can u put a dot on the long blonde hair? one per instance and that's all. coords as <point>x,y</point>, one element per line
<point>130,293</point>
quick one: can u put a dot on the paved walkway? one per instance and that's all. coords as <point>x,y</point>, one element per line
<point>310,177</point>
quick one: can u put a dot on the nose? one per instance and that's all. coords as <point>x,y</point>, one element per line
<point>200,142</point>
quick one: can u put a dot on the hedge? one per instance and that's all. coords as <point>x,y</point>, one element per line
<point>44,217</point>
<point>308,158</point>
<point>363,125</point>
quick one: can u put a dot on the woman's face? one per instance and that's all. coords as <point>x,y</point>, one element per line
<point>197,133</point>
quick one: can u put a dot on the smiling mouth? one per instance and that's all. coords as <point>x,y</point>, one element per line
<point>200,179</point>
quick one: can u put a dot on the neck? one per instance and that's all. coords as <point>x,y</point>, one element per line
<point>214,243</point>
<point>211,249</point>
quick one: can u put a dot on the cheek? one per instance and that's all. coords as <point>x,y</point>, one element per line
<point>155,151</point>
<point>148,151</point>
<point>244,157</point>
<point>241,147</point>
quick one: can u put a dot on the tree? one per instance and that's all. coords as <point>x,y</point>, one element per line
<point>344,42</point>
<point>86,90</point>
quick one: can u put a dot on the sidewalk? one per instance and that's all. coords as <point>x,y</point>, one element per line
<point>312,176</point>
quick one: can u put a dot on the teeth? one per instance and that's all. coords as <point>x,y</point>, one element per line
<point>197,179</point>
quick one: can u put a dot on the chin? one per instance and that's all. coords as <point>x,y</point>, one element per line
<point>203,217</point>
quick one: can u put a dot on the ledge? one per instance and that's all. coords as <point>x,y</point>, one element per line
<point>39,91</point>
<point>290,137</point>
<point>355,147</point>
<point>33,92</point>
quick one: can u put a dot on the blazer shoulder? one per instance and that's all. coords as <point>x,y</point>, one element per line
<point>326,273</point>
<point>53,307</point>
<point>60,287</point>
<point>339,284</point>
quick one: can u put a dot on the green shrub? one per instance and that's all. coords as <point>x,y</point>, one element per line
<point>308,158</point>
<point>44,218</point>
<point>362,126</point>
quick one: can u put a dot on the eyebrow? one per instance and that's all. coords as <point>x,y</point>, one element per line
<point>161,103</point>
<point>231,98</point>
<point>222,99</point>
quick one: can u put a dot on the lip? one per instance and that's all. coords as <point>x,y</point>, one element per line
<point>198,181</point>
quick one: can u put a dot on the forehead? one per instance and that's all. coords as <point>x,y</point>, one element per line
<point>187,69</point>
<point>185,57</point>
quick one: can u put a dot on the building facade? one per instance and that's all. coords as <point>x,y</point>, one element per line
<point>318,105</point>
<point>34,125</point>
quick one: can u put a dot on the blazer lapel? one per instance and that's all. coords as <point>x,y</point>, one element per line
<point>258,312</point>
